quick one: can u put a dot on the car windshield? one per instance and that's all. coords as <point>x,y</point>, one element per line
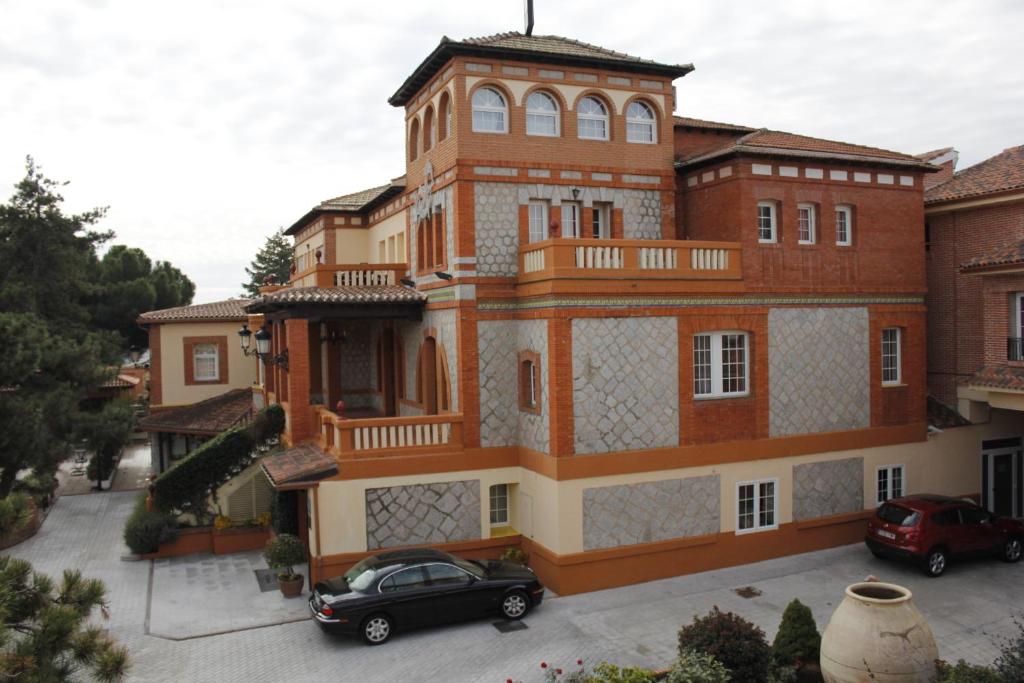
<point>471,567</point>
<point>360,576</point>
<point>900,516</point>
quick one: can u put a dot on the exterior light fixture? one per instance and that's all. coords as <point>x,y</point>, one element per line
<point>575,192</point>
<point>408,283</point>
<point>262,350</point>
<point>134,352</point>
<point>244,338</point>
<point>442,276</point>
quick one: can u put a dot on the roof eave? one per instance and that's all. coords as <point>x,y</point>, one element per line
<point>865,160</point>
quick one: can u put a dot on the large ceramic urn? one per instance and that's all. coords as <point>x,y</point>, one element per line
<point>877,635</point>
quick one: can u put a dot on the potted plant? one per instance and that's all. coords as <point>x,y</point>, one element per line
<point>282,553</point>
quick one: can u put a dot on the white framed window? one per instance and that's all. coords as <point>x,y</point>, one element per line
<point>490,113</point>
<point>600,222</point>
<point>538,220</point>
<point>499,505</point>
<point>805,223</point>
<point>757,505</point>
<point>720,367</point>
<point>891,371</point>
<point>591,119</point>
<point>205,363</point>
<point>767,215</point>
<point>890,482</point>
<point>640,123</point>
<point>844,226</point>
<point>571,219</point>
<point>541,115</point>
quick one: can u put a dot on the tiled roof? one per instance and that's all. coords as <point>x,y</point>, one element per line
<point>688,122</point>
<point>934,154</point>
<point>356,201</point>
<point>778,143</point>
<point>208,417</point>
<point>1009,255</point>
<point>515,45</point>
<point>1003,172</point>
<point>358,295</point>
<point>998,377</point>
<point>302,464</point>
<point>120,382</point>
<point>942,416</point>
<point>231,309</point>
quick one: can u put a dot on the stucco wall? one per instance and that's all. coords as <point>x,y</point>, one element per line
<point>242,372</point>
<point>390,226</point>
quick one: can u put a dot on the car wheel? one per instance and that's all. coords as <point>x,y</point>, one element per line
<point>377,628</point>
<point>515,605</point>
<point>1012,550</point>
<point>935,563</point>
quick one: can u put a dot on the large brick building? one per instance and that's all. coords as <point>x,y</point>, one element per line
<point>636,344</point>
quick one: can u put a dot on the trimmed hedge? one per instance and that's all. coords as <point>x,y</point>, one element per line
<point>145,531</point>
<point>188,486</point>
<point>735,642</point>
<point>797,640</point>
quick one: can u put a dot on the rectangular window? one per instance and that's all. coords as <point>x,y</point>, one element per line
<point>891,483</point>
<point>756,505</point>
<point>571,219</point>
<point>805,223</point>
<point>600,223</point>
<point>766,215</point>
<point>499,505</point>
<point>205,363</point>
<point>529,382</point>
<point>891,355</point>
<point>382,253</point>
<point>844,226</point>
<point>538,221</point>
<point>720,364</point>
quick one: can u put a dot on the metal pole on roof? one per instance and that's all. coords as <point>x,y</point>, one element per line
<point>529,17</point>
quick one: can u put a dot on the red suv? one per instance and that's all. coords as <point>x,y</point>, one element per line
<point>929,530</point>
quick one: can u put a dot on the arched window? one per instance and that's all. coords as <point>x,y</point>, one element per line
<point>592,119</point>
<point>490,114</point>
<point>414,139</point>
<point>444,120</point>
<point>541,115</point>
<point>428,129</point>
<point>640,123</point>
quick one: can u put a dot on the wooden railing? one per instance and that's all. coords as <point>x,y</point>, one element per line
<point>377,437</point>
<point>350,274</point>
<point>599,258</point>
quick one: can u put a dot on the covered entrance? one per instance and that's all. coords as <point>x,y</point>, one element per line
<point>1002,470</point>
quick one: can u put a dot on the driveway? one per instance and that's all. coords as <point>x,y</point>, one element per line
<point>631,625</point>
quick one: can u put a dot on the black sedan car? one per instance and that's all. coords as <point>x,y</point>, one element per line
<point>410,588</point>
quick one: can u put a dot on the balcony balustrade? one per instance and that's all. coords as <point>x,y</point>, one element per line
<point>350,275</point>
<point>385,436</point>
<point>1015,348</point>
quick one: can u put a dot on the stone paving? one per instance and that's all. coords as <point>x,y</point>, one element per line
<point>632,625</point>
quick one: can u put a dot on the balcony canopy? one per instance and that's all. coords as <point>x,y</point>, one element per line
<point>352,301</point>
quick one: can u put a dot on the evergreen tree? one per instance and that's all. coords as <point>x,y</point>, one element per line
<point>45,634</point>
<point>273,259</point>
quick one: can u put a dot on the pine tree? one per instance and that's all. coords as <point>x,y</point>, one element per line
<point>273,259</point>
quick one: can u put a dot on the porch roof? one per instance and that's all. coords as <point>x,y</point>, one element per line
<point>361,298</point>
<point>298,467</point>
<point>998,377</point>
<point>205,418</point>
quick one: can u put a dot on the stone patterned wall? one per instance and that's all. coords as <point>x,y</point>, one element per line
<point>501,421</point>
<point>358,364</point>
<point>818,369</point>
<point>412,339</point>
<point>625,383</point>
<point>821,489</point>
<point>641,215</point>
<point>422,514</point>
<point>497,228</point>
<point>652,511</point>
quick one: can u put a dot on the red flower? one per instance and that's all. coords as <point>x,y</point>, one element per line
<point>579,662</point>
<point>558,671</point>
<point>508,680</point>
<point>543,665</point>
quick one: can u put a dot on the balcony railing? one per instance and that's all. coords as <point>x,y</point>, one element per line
<point>350,275</point>
<point>665,259</point>
<point>1015,348</point>
<point>377,437</point>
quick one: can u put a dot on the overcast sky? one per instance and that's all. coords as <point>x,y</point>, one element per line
<point>205,126</point>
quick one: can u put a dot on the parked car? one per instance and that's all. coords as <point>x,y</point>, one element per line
<point>411,588</point>
<point>929,530</point>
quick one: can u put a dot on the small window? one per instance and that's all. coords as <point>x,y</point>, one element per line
<point>1015,344</point>
<point>766,222</point>
<point>844,226</point>
<point>405,580</point>
<point>529,381</point>
<point>490,114</point>
<point>720,367</point>
<point>640,123</point>
<point>600,227</point>
<point>891,355</point>
<point>446,575</point>
<point>444,121</point>
<point>205,363</point>
<point>499,505</point>
<point>571,219</point>
<point>805,223</point>
<point>541,115</point>
<point>890,483</point>
<point>538,221</point>
<point>428,129</point>
<point>756,505</point>
<point>591,119</point>
<point>414,139</point>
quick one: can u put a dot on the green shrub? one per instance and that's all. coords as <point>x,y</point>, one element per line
<point>697,667</point>
<point>100,467</point>
<point>962,672</point>
<point>283,552</point>
<point>145,531</point>
<point>798,639</point>
<point>733,641</point>
<point>15,513</point>
<point>610,673</point>
<point>1010,663</point>
<point>40,486</point>
<point>514,554</point>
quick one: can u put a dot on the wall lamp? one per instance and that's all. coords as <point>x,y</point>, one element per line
<point>262,350</point>
<point>442,276</point>
<point>408,283</point>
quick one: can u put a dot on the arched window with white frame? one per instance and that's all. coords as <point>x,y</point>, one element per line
<point>640,123</point>
<point>490,112</point>
<point>591,119</point>
<point>541,115</point>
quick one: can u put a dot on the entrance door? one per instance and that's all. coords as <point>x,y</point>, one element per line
<point>1002,484</point>
<point>1001,476</point>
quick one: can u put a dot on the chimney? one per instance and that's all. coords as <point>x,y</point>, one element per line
<point>529,17</point>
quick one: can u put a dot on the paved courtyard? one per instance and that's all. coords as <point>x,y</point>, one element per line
<point>631,625</point>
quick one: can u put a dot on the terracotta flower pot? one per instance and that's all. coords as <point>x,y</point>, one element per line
<point>291,588</point>
<point>877,634</point>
